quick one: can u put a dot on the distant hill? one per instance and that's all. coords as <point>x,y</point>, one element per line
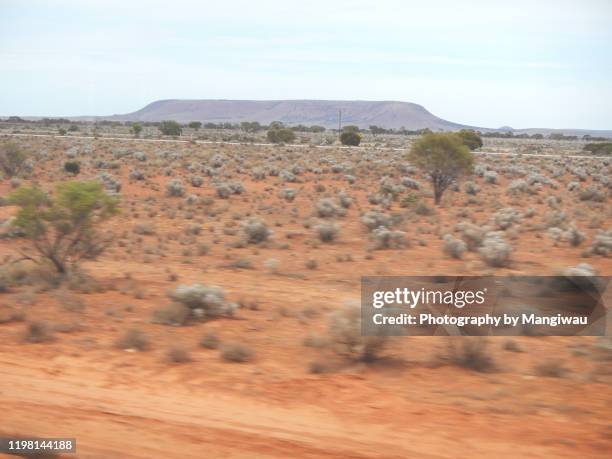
<point>387,114</point>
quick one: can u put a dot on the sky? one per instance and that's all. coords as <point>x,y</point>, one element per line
<point>489,63</point>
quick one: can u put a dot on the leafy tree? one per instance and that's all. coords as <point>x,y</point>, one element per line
<point>136,129</point>
<point>13,159</point>
<point>61,131</point>
<point>443,157</point>
<point>281,135</point>
<point>250,126</point>
<point>72,167</point>
<point>350,128</point>
<point>470,138</point>
<point>73,128</point>
<point>195,125</point>
<point>170,128</point>
<point>350,138</point>
<point>62,227</point>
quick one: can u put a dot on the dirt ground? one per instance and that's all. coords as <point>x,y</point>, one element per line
<point>408,404</point>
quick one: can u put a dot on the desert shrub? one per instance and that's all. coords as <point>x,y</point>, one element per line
<point>178,354</point>
<point>411,183</point>
<point>63,229</point>
<point>13,160</point>
<point>255,231</point>
<point>175,314</point>
<point>506,217</point>
<point>345,335</point>
<point>574,236</point>
<point>281,135</point>
<point>38,332</point>
<point>472,354</point>
<point>553,368</point>
<point>350,138</point>
<point>144,228</point>
<point>471,188</point>
<point>518,186</point>
<point>225,190</point>
<point>423,209</point>
<point>385,238</point>
<point>134,338</point>
<point>237,353</point>
<point>175,188</point>
<point>490,177</point>
<point>72,167</point>
<point>495,250</point>
<point>471,234</point>
<point>409,200</point>
<point>288,176</point>
<point>592,193</point>
<point>205,302</point>
<point>196,181</point>
<point>140,156</point>
<point>443,157</point>
<point>599,148</point>
<point>288,194</point>
<point>111,184</point>
<point>345,200</point>
<point>327,231</point>
<point>170,127</point>
<point>453,246</point>
<point>374,219</point>
<point>327,208</point>
<point>210,340</point>
<point>470,138</point>
<point>136,174</point>
<point>602,243</point>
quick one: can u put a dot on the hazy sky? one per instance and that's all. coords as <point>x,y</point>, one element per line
<point>488,63</point>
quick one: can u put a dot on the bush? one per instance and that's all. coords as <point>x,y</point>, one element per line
<point>175,314</point>
<point>454,247</point>
<point>470,139</point>
<point>203,301</point>
<point>178,354</point>
<point>346,338</point>
<point>281,135</point>
<point>599,148</point>
<point>471,234</point>
<point>170,128</point>
<point>288,194</point>
<point>327,208</point>
<point>72,167</point>
<point>134,338</point>
<point>385,238</point>
<point>602,243</point>
<point>350,138</point>
<point>495,250</point>
<point>471,188</point>
<point>210,341</point>
<point>196,181</point>
<point>473,355</point>
<point>175,188</point>
<point>237,353</point>
<point>255,231</point>
<point>38,332</point>
<point>62,229</point>
<point>490,177</point>
<point>374,219</point>
<point>328,232</point>
<point>506,217</point>
<point>411,183</point>
<point>13,160</point>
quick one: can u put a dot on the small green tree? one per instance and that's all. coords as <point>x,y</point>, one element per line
<point>13,159</point>
<point>136,129</point>
<point>61,131</point>
<point>470,138</point>
<point>62,227</point>
<point>443,157</point>
<point>195,125</point>
<point>281,135</point>
<point>170,128</point>
<point>350,138</point>
<point>350,128</point>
